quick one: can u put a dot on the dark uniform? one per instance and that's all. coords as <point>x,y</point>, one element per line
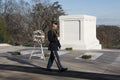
<point>54,42</point>
<point>54,45</point>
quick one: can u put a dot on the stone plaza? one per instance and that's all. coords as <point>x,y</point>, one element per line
<point>105,67</point>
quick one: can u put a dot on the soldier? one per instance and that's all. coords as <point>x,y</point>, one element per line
<point>54,46</point>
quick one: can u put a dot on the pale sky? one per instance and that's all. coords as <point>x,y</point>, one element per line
<point>106,11</point>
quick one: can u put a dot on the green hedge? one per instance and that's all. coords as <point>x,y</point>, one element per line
<point>70,48</point>
<point>86,57</point>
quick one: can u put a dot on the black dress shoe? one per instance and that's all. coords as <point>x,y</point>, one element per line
<point>63,69</point>
<point>49,69</point>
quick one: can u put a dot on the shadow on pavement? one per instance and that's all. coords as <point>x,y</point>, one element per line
<point>72,74</point>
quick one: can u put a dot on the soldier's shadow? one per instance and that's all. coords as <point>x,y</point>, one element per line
<point>39,70</point>
<point>69,73</point>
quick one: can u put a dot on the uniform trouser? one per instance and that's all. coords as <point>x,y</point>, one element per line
<point>54,56</point>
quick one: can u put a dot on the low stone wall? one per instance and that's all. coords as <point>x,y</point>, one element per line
<point>4,44</point>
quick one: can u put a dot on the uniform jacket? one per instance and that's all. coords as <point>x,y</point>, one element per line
<point>54,42</point>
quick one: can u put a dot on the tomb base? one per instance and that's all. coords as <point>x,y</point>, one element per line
<point>78,32</point>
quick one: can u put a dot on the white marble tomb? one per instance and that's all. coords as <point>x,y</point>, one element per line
<point>78,32</point>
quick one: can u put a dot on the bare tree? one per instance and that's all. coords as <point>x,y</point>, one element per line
<point>23,17</point>
<point>43,15</point>
<point>17,19</point>
<point>1,6</point>
<point>109,36</point>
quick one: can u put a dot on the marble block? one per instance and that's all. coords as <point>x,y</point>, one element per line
<point>78,32</point>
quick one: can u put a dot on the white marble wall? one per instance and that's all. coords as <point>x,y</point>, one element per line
<point>78,32</point>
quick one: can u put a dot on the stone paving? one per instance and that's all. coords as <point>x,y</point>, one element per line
<point>105,67</point>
